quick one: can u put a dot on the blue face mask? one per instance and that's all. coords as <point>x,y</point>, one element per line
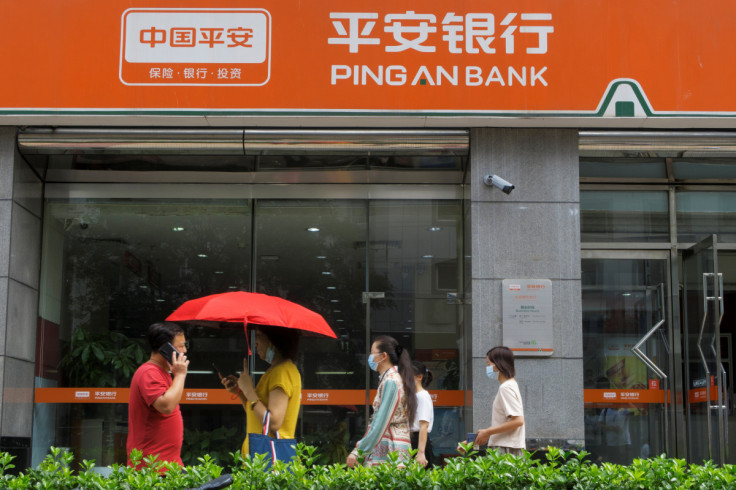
<point>270,352</point>
<point>373,364</point>
<point>491,373</point>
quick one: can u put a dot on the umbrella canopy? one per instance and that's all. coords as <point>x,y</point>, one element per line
<point>256,308</point>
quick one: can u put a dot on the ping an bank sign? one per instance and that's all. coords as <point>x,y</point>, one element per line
<point>220,47</point>
<point>553,59</point>
<point>469,33</point>
<point>208,47</point>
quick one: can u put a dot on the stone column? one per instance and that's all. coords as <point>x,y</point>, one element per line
<point>533,233</point>
<point>21,194</point>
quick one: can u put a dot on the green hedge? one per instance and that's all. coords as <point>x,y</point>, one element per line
<point>561,470</point>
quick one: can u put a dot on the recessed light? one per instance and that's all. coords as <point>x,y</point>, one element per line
<point>428,256</point>
<point>178,228</point>
<point>326,273</point>
<point>143,286</point>
<point>202,256</point>
<point>625,294</point>
<point>160,300</point>
<point>334,301</point>
<point>434,228</point>
<point>232,287</point>
<point>331,287</point>
<point>313,229</point>
<point>321,257</point>
<point>337,311</point>
<point>340,320</point>
<point>219,272</point>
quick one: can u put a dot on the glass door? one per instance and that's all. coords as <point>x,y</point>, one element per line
<point>705,375</point>
<point>627,355</point>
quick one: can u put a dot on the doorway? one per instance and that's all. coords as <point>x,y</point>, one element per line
<point>708,297</point>
<point>627,355</point>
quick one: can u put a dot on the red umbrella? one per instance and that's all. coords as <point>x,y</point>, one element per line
<point>256,308</point>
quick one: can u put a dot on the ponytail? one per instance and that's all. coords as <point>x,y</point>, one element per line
<point>421,370</point>
<point>399,357</point>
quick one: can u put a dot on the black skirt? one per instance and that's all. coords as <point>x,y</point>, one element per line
<point>428,451</point>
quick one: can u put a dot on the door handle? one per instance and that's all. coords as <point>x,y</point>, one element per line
<point>369,295</point>
<point>638,353</point>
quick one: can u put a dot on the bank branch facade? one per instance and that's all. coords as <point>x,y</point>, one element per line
<point>343,155</point>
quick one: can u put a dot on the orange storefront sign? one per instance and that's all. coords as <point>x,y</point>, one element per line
<point>435,58</point>
<point>606,397</point>
<point>440,398</point>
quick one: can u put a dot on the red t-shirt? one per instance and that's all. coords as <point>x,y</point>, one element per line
<point>149,430</point>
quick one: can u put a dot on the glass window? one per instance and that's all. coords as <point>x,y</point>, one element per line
<point>113,267</point>
<point>158,162</point>
<point>312,253</point>
<point>316,162</point>
<point>700,214</point>
<point>624,216</point>
<point>622,300</point>
<point>110,269</point>
<point>706,168</point>
<point>414,256</point>
<point>623,168</point>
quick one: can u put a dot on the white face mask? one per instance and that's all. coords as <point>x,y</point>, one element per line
<point>491,373</point>
<point>270,352</point>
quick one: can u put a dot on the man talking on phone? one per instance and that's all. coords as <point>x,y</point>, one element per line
<point>155,425</point>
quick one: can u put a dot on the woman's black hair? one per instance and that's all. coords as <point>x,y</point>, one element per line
<point>161,332</point>
<point>421,370</point>
<point>398,356</point>
<point>284,340</point>
<point>503,359</point>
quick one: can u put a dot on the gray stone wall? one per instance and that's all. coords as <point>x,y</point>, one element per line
<point>21,196</point>
<point>533,233</point>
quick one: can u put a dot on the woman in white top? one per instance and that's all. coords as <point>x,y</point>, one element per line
<point>506,433</point>
<point>424,417</point>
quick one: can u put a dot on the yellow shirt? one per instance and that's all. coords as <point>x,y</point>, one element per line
<point>285,376</point>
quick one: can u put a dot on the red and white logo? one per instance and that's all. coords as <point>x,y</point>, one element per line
<point>208,47</point>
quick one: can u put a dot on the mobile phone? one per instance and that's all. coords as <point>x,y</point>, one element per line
<point>218,373</point>
<point>470,436</point>
<point>166,350</point>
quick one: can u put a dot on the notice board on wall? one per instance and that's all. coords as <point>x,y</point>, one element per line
<point>527,316</point>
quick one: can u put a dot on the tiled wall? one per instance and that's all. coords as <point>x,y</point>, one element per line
<point>21,196</point>
<point>533,233</point>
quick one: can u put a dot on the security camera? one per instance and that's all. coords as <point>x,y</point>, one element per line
<point>497,181</point>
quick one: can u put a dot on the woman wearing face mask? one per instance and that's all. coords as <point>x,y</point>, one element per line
<point>424,418</point>
<point>393,407</point>
<point>279,389</point>
<point>506,433</point>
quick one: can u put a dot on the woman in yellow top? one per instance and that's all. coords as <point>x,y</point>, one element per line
<point>279,390</point>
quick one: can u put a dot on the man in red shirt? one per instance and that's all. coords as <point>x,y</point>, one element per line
<point>155,425</point>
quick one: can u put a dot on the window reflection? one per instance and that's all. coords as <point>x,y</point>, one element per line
<point>624,216</point>
<point>624,409</point>
<point>700,214</point>
<point>112,267</point>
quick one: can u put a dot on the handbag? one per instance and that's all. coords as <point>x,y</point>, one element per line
<point>276,448</point>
